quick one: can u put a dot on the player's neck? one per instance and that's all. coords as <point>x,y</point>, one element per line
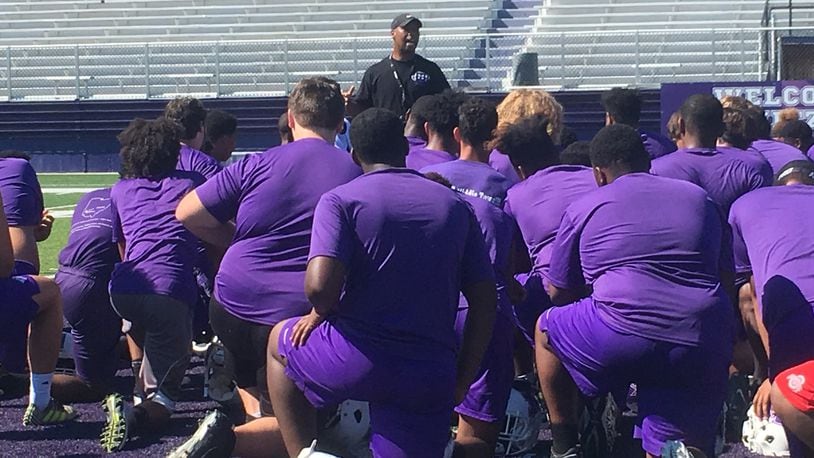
<point>326,135</point>
<point>471,153</point>
<point>696,142</point>
<point>440,144</point>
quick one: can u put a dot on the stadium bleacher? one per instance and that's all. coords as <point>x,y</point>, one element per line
<point>66,50</point>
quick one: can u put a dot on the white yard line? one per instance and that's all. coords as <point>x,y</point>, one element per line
<point>68,190</point>
<point>58,214</point>
<point>62,174</point>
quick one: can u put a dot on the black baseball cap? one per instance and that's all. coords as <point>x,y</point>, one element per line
<point>403,19</point>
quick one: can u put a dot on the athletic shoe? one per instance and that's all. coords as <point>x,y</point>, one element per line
<point>214,438</point>
<point>114,434</point>
<point>219,382</point>
<point>572,452</point>
<point>53,414</point>
<point>677,449</point>
<point>598,427</point>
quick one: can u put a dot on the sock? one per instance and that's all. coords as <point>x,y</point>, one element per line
<point>565,437</point>
<point>40,389</point>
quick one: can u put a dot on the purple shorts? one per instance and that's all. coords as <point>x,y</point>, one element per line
<point>95,326</point>
<point>17,306</point>
<point>489,393</point>
<point>13,347</point>
<point>681,389</point>
<point>410,400</point>
<point>527,312</point>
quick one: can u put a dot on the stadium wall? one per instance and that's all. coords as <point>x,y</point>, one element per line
<point>81,136</point>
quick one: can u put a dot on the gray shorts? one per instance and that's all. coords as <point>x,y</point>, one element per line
<point>162,326</point>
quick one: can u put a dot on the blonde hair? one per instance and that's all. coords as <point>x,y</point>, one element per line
<point>522,103</point>
<point>673,129</point>
<point>784,117</point>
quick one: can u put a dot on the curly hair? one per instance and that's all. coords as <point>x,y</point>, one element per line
<point>188,112</point>
<point>522,103</point>
<point>784,117</point>
<point>477,121</point>
<point>149,148</point>
<point>736,102</point>
<point>738,130</point>
<point>673,127</point>
<point>625,105</point>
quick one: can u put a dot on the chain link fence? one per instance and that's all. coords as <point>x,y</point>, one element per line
<point>481,62</point>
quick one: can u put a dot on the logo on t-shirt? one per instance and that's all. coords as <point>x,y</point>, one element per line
<point>420,78</point>
<point>95,206</point>
<point>796,382</point>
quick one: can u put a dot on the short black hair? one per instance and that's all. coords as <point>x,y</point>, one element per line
<point>284,129</point>
<point>738,130</point>
<point>527,142</point>
<point>188,112</point>
<point>624,105</point>
<point>577,153</point>
<point>377,137</point>
<point>761,124</point>
<point>219,124</point>
<point>477,121</point>
<point>317,103</point>
<point>703,115</point>
<point>442,111</point>
<point>568,136</point>
<point>12,153</point>
<point>619,146</point>
<point>149,148</point>
<point>418,116</point>
<point>802,171</point>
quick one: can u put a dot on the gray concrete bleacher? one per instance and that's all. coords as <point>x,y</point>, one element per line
<point>88,49</point>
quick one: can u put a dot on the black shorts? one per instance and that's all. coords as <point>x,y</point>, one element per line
<point>247,343</point>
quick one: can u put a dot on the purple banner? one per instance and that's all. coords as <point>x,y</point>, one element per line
<point>773,97</point>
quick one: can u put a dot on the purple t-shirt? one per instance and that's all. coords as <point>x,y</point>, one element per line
<point>538,203</point>
<point>771,231</point>
<point>90,247</point>
<point>503,164</point>
<point>778,153</point>
<point>271,196</point>
<point>656,145</point>
<point>22,196</point>
<point>497,229</point>
<point>810,152</point>
<point>724,176</point>
<point>651,249</point>
<point>192,160</point>
<point>418,158</point>
<point>474,179</point>
<point>159,251</point>
<point>408,244</point>
<point>753,159</point>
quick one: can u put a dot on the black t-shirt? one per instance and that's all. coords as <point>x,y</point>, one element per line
<point>380,89</point>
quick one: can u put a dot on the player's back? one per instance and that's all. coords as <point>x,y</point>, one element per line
<point>408,256</point>
<point>419,158</point>
<point>651,248</point>
<point>777,153</point>
<point>723,176</point>
<point>90,245</point>
<point>271,197</point>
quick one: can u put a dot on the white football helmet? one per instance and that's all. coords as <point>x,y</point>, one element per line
<point>521,427</point>
<point>765,437</point>
<point>346,429</point>
<point>311,452</point>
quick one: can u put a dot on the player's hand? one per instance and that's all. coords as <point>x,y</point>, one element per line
<point>516,292</point>
<point>304,327</point>
<point>43,231</point>
<point>348,94</point>
<point>762,402</point>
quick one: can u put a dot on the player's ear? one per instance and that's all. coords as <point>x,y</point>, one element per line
<point>600,176</point>
<point>291,121</point>
<point>355,157</point>
<point>456,134</point>
<point>682,128</point>
<point>427,129</point>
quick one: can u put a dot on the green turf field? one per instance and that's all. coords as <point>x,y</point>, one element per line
<point>61,191</point>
